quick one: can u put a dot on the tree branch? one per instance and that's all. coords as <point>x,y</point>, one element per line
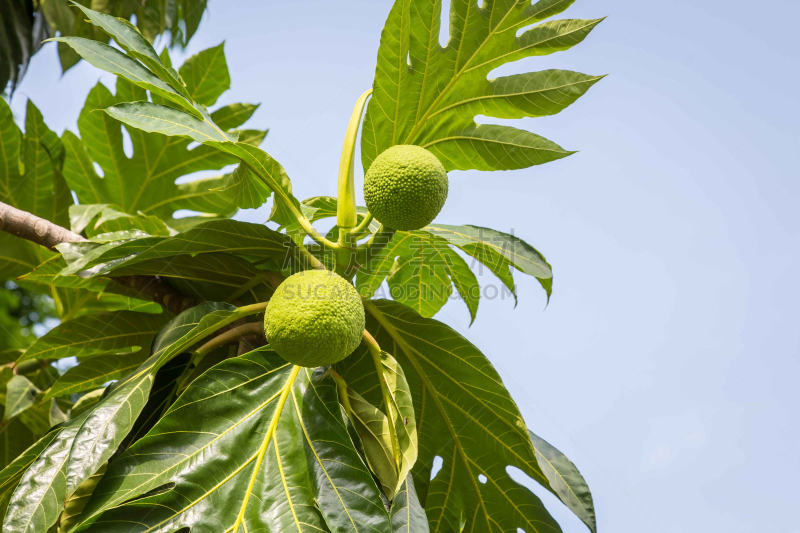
<point>43,232</point>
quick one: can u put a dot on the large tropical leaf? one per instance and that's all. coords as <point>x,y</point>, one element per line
<point>96,334</point>
<point>244,239</point>
<point>145,182</point>
<point>465,416</point>
<point>12,471</point>
<point>30,179</point>
<point>421,267</point>
<point>95,371</point>
<point>499,252</point>
<point>86,442</point>
<point>283,460</point>
<point>429,95</point>
<point>259,175</point>
<point>421,270</point>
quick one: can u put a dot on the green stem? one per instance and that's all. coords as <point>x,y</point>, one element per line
<point>315,263</point>
<point>375,351</point>
<point>362,229</point>
<point>251,328</point>
<point>341,386</point>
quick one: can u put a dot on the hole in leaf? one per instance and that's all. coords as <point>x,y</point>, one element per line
<point>483,479</point>
<point>437,465</point>
<point>183,213</point>
<point>127,144</point>
<point>444,30</point>
<point>99,170</point>
<point>192,145</point>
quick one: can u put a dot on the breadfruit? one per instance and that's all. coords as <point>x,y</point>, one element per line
<point>405,187</point>
<point>315,318</point>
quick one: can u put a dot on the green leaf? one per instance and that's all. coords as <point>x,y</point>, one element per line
<point>20,395</point>
<point>87,401</point>
<point>39,495</point>
<point>498,251</point>
<point>108,220</point>
<point>408,515</point>
<point>220,236</point>
<point>96,334</point>
<point>465,416</point>
<point>263,174</point>
<point>177,21</point>
<point>429,95</point>
<point>77,502</point>
<point>146,182</point>
<point>167,121</point>
<point>12,472</point>
<point>206,75</point>
<point>210,276</point>
<point>565,481</point>
<point>389,459</point>
<point>95,371</point>
<point>30,180</point>
<point>88,441</point>
<point>129,39</point>
<point>233,115</point>
<point>112,60</point>
<point>279,468</point>
<point>421,270</point>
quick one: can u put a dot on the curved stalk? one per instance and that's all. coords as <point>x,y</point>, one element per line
<point>346,216</point>
<point>362,229</point>
<point>312,232</point>
<point>234,334</point>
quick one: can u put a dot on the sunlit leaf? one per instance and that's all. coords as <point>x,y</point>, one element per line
<point>565,480</point>
<point>95,371</point>
<point>429,95</point>
<point>285,469</point>
<point>96,334</point>
<point>112,60</point>
<point>421,269</point>
<point>29,180</point>
<point>20,394</point>
<point>408,515</point>
<point>206,75</point>
<point>465,416</point>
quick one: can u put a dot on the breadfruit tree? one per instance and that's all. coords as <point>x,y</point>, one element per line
<point>236,377</point>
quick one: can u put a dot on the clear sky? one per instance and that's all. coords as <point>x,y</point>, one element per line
<point>666,365</point>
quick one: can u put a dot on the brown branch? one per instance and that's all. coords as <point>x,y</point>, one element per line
<point>43,232</point>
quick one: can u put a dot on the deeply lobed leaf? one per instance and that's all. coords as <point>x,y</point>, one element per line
<point>429,95</point>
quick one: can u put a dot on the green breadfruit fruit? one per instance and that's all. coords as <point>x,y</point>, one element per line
<point>405,188</point>
<point>315,318</point>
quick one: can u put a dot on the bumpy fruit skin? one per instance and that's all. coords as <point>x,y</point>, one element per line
<point>315,318</point>
<point>405,187</point>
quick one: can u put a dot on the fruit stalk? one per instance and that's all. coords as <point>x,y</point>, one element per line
<point>346,216</point>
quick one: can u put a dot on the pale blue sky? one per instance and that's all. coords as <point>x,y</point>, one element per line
<point>666,365</point>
